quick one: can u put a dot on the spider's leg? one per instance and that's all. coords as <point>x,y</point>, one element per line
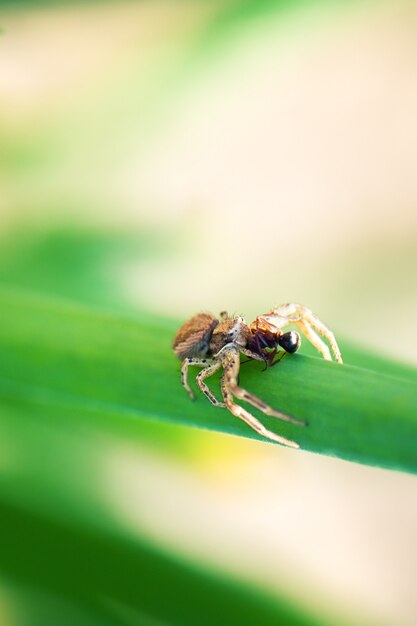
<point>205,373</point>
<point>184,372</point>
<point>308,323</point>
<point>313,337</point>
<point>324,332</point>
<point>228,385</point>
<point>247,417</point>
<point>242,394</point>
<point>252,355</point>
<point>250,398</point>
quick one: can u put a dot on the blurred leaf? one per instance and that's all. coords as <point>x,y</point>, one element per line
<point>116,581</point>
<point>63,355</point>
<point>78,263</point>
<point>238,12</point>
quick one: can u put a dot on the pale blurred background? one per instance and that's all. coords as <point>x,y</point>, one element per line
<point>269,153</point>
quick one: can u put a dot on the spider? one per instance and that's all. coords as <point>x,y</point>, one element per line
<point>212,343</point>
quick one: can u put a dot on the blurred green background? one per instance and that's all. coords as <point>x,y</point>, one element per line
<point>158,158</point>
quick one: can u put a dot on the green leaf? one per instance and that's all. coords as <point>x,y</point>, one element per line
<point>124,581</point>
<point>65,355</point>
<point>76,262</point>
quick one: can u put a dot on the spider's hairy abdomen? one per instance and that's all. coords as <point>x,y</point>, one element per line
<point>193,338</point>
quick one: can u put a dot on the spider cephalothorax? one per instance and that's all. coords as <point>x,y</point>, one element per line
<point>213,343</point>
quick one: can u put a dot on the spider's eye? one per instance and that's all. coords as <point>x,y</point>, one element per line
<point>290,341</point>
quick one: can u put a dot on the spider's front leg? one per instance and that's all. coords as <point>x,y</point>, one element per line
<point>205,373</point>
<point>210,367</point>
<point>310,326</point>
<point>231,363</point>
<point>184,372</point>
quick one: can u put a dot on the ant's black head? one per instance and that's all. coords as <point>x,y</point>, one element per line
<point>289,341</point>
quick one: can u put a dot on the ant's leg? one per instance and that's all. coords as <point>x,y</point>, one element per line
<point>205,373</point>
<point>184,372</point>
<point>279,356</point>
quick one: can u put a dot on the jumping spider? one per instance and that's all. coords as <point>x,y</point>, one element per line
<point>212,344</point>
